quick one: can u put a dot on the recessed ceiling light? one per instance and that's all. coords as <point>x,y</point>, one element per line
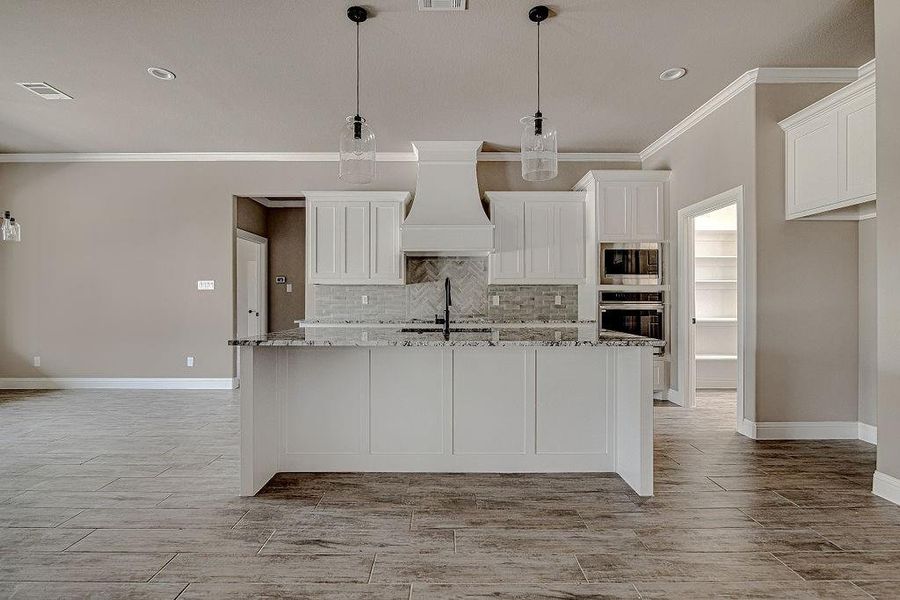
<point>673,74</point>
<point>160,73</point>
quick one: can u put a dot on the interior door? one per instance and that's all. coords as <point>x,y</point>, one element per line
<point>249,292</point>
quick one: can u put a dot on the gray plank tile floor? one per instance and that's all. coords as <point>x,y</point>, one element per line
<point>127,494</point>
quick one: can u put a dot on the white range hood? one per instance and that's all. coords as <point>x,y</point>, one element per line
<point>447,218</point>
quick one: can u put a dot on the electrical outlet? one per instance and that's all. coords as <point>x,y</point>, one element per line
<point>365,299</point>
<point>364,336</point>
<point>557,335</point>
<point>206,285</point>
<point>37,361</point>
<point>190,361</point>
<point>495,300</point>
<point>557,300</point>
<point>289,287</point>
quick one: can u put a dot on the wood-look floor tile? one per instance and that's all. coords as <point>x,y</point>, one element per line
<point>862,538</point>
<point>783,482</point>
<point>214,541</point>
<point>306,591</point>
<point>598,501</point>
<point>155,518</point>
<point>710,518</point>
<point>88,499</point>
<point>546,541</point>
<point>476,568</point>
<point>752,590</point>
<point>834,498</point>
<point>39,539</point>
<point>519,519</point>
<point>374,518</point>
<point>200,500</point>
<point>791,518</point>
<point>79,566</point>
<point>72,484</point>
<point>735,499</point>
<point>582,591</point>
<point>32,516</point>
<point>89,470</point>
<point>881,590</point>
<point>685,566</point>
<point>330,540</point>
<point>755,539</point>
<point>858,566</point>
<point>313,568</point>
<point>213,485</point>
<point>92,591</point>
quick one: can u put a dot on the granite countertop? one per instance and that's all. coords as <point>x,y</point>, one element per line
<point>490,334</point>
<point>462,323</point>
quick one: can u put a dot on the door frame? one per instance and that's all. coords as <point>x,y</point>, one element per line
<point>263,276</point>
<point>746,301</point>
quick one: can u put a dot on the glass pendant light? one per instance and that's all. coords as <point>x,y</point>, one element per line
<point>10,231</point>
<point>539,155</point>
<point>357,138</point>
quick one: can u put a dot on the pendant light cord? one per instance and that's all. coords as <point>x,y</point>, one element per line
<point>357,69</point>
<point>539,66</point>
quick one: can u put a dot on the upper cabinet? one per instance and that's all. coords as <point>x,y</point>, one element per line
<point>354,237</point>
<point>830,155</point>
<point>630,205</point>
<point>539,237</point>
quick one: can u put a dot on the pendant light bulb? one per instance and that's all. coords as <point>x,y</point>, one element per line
<point>357,142</point>
<point>539,147</point>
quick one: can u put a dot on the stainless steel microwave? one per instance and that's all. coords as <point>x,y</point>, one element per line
<point>630,263</point>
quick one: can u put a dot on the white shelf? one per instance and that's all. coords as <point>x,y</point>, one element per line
<point>720,257</point>
<point>717,320</point>
<point>716,357</point>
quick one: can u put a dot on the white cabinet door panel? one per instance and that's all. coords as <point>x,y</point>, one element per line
<point>573,402</point>
<point>614,212</point>
<point>508,260</point>
<point>327,231</point>
<point>569,240</point>
<point>856,148</point>
<point>648,211</point>
<point>356,241</point>
<point>385,241</point>
<point>539,240</point>
<point>490,401</point>
<point>813,161</point>
<point>406,401</point>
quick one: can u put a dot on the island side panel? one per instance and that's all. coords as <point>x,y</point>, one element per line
<point>634,418</point>
<point>259,418</point>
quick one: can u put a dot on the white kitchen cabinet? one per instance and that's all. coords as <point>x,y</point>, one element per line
<point>354,237</point>
<point>539,237</point>
<point>631,211</point>
<point>830,155</point>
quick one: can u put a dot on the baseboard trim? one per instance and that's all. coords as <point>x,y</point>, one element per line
<point>808,430</point>
<point>748,428</point>
<point>868,433</point>
<point>886,486</point>
<point>117,383</point>
<point>674,396</point>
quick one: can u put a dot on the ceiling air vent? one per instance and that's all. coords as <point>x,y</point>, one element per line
<point>45,91</point>
<point>442,4</point>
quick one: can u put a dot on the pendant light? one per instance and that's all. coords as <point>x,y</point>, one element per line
<point>10,231</point>
<point>539,156</point>
<point>357,155</point>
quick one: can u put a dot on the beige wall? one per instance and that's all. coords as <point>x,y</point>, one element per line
<point>287,256</point>
<point>712,157</point>
<point>801,304</point>
<point>104,283</point>
<point>251,216</point>
<point>887,51</point>
<point>868,323</point>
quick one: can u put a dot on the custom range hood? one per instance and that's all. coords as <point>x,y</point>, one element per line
<point>446,218</point>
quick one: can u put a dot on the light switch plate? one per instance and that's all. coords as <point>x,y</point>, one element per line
<point>495,300</point>
<point>37,361</point>
<point>206,284</point>
<point>557,300</point>
<point>289,288</point>
<point>365,299</point>
<point>190,361</point>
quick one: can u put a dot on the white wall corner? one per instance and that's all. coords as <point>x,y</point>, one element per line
<point>868,433</point>
<point>674,396</point>
<point>886,486</point>
<point>748,428</point>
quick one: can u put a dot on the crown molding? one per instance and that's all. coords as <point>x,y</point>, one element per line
<point>98,157</point>
<point>762,75</point>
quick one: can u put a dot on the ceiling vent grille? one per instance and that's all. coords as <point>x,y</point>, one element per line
<point>45,91</point>
<point>442,4</point>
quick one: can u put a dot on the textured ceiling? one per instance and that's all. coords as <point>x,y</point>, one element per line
<point>277,75</point>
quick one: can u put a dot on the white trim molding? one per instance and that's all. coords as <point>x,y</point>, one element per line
<point>674,396</point>
<point>886,486</point>
<point>95,157</point>
<point>762,75</point>
<point>118,383</point>
<point>802,430</point>
<point>867,433</point>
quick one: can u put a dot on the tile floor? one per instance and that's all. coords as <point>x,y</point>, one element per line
<point>126,494</point>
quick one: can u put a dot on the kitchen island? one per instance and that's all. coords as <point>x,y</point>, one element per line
<point>555,398</point>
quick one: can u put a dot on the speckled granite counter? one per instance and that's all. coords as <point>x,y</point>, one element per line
<point>563,335</point>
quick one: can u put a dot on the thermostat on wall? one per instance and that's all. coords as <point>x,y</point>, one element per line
<point>281,279</point>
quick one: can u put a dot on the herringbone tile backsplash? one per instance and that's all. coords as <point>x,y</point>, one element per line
<point>423,296</point>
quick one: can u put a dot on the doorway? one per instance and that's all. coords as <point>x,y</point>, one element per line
<point>715,311</point>
<point>252,275</point>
